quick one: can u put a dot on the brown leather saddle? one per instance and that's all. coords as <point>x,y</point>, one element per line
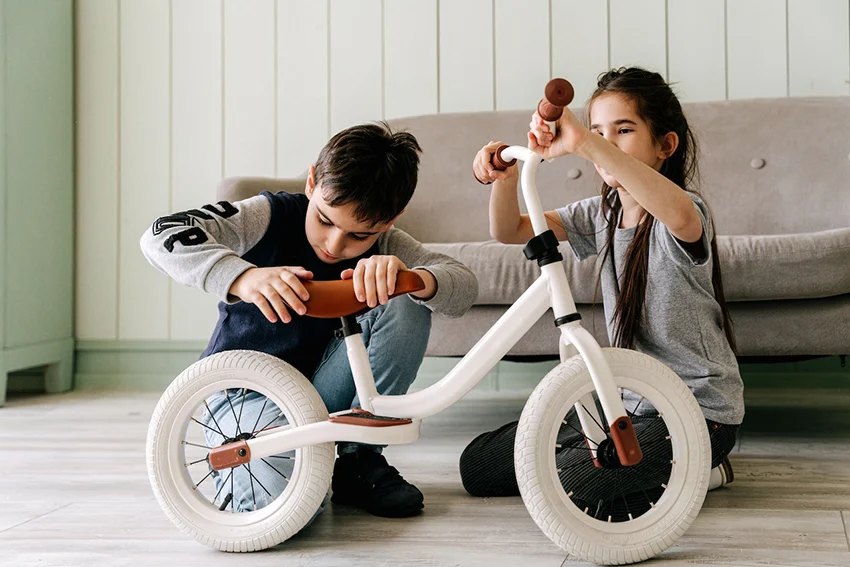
<point>334,299</point>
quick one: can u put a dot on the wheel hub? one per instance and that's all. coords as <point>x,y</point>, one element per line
<point>607,456</point>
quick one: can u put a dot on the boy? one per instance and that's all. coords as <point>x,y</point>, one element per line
<point>254,254</point>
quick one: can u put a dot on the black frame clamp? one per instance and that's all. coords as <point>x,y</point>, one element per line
<point>544,249</point>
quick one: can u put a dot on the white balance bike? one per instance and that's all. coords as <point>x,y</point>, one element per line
<point>590,384</point>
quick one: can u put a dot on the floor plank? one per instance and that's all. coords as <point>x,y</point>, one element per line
<point>76,494</point>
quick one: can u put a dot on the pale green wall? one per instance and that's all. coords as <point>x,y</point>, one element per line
<point>37,189</point>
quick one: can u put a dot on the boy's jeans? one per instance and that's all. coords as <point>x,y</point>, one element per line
<point>395,336</point>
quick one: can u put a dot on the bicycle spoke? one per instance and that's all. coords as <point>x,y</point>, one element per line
<point>275,470</point>
<point>642,398</point>
<point>593,418</point>
<point>649,481</point>
<point>213,418</point>
<point>187,465</point>
<point>251,480</point>
<point>195,444</point>
<point>195,486</point>
<point>623,401</point>
<point>580,432</point>
<point>574,465</point>
<point>281,457</point>
<point>654,441</point>
<point>248,466</point>
<point>576,448</point>
<point>259,415</point>
<point>232,503</point>
<point>278,416</point>
<point>623,495</point>
<point>242,405</point>
<point>223,484</point>
<point>208,427</point>
<point>233,411</point>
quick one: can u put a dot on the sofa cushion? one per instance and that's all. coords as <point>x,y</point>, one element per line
<point>790,266</point>
<point>755,268</point>
<point>779,328</point>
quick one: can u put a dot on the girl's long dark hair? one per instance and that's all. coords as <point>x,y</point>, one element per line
<point>656,104</point>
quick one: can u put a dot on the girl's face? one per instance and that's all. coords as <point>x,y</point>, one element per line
<point>615,118</point>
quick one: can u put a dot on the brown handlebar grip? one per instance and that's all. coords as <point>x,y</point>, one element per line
<point>498,162</point>
<point>558,94</point>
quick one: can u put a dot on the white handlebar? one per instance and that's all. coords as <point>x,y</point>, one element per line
<point>529,184</point>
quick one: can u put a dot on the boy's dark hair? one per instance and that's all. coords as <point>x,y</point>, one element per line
<point>371,166</point>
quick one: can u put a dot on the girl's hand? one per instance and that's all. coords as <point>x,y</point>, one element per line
<point>374,278</point>
<point>484,170</point>
<point>567,140</point>
<point>273,289</point>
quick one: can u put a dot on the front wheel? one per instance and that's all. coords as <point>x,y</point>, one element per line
<point>225,398</point>
<point>607,513</point>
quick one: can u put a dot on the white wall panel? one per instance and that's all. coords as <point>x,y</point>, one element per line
<point>756,48</point>
<point>579,44</point>
<point>144,163</point>
<point>410,58</point>
<point>818,48</point>
<point>196,157</point>
<point>696,32</point>
<point>302,83</point>
<point>466,55</point>
<point>638,34</point>
<point>356,63</point>
<point>522,52</point>
<point>249,87</point>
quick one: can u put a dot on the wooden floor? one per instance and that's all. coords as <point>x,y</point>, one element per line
<point>74,492</point>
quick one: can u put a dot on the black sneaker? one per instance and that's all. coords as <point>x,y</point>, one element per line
<point>365,480</point>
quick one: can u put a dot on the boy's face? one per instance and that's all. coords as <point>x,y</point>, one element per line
<point>334,233</point>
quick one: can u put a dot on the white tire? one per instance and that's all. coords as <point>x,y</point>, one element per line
<point>170,478</point>
<point>573,529</point>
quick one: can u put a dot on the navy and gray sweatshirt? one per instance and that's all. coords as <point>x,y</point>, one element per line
<point>209,248</point>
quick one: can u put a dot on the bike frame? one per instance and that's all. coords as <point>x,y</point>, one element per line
<point>550,290</point>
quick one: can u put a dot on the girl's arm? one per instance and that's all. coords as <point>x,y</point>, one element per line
<point>507,224</point>
<point>664,200</point>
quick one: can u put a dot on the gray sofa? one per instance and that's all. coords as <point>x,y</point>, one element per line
<point>775,173</point>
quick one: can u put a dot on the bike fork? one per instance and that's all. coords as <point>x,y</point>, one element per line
<point>621,430</point>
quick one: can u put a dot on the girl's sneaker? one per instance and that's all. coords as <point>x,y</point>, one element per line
<point>721,475</point>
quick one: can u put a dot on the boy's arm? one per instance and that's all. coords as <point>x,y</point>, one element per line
<point>457,286</point>
<point>202,248</point>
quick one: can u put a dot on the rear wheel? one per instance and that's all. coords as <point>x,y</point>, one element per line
<point>228,397</point>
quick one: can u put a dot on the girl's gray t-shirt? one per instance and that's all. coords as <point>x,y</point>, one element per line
<point>682,324</point>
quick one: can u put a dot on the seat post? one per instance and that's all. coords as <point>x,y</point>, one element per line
<point>350,326</point>
<point>358,358</point>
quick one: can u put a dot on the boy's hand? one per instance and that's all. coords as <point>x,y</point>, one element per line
<point>374,278</point>
<point>272,289</point>
<point>484,170</point>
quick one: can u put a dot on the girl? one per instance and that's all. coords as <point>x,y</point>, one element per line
<point>659,276</point>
